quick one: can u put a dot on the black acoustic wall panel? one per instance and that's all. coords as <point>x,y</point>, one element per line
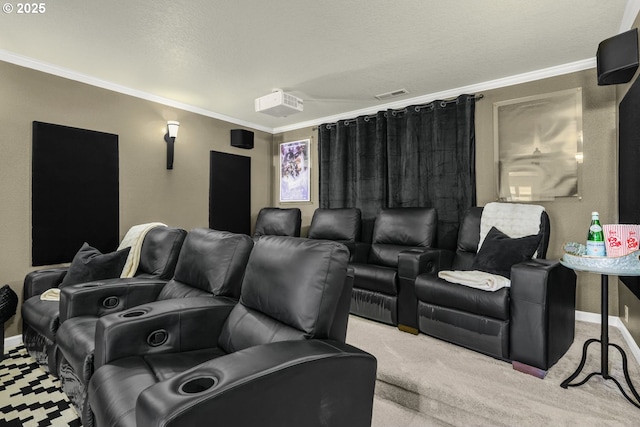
<point>75,194</point>
<point>230,193</point>
<point>242,138</point>
<point>628,171</point>
<point>617,58</point>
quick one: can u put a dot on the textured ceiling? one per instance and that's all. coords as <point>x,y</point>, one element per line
<point>216,57</point>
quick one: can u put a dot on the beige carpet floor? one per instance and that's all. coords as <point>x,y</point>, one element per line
<point>423,381</point>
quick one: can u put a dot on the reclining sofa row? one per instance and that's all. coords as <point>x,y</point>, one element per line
<point>530,323</point>
<point>215,327</point>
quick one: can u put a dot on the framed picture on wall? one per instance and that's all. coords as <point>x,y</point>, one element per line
<point>538,146</point>
<point>294,171</point>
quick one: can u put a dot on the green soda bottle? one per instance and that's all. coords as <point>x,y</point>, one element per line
<point>595,237</point>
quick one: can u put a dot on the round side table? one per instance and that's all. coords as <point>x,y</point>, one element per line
<point>604,334</point>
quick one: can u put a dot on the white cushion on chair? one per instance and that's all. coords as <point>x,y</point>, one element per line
<point>513,219</point>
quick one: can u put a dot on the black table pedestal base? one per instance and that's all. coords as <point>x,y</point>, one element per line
<point>604,373</point>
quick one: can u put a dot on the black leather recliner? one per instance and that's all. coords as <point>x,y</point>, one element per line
<point>377,291</point>
<point>211,263</point>
<point>530,323</point>
<point>277,358</point>
<point>41,319</point>
<point>278,222</point>
<point>341,225</point>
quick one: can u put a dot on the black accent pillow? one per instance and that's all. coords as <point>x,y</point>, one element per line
<point>499,252</point>
<point>90,264</point>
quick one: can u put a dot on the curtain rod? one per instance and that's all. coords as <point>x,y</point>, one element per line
<point>442,102</point>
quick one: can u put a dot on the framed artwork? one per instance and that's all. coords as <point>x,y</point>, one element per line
<point>538,146</point>
<point>294,171</point>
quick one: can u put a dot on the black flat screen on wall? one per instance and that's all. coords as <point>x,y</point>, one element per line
<point>628,166</point>
<point>75,194</point>
<point>230,193</point>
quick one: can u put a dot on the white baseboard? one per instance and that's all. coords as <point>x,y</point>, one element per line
<point>13,341</point>
<point>586,316</point>
<point>583,316</point>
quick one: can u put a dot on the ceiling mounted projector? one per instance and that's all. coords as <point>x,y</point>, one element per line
<point>279,104</point>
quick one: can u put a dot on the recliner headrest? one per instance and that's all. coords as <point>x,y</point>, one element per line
<point>278,222</point>
<point>291,290</point>
<point>405,226</point>
<point>160,251</point>
<point>213,261</point>
<point>336,224</point>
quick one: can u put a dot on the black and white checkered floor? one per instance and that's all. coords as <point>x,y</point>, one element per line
<point>29,396</point>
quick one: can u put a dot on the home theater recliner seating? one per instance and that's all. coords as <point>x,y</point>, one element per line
<point>279,353</point>
<point>41,319</point>
<point>243,315</point>
<point>530,323</point>
<point>211,263</point>
<point>398,233</point>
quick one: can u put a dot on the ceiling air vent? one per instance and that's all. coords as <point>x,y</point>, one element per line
<point>392,94</point>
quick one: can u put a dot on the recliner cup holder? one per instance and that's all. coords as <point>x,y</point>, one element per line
<point>111,302</point>
<point>134,313</point>
<point>157,338</point>
<point>197,385</point>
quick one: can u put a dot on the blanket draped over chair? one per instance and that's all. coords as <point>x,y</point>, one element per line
<point>475,279</point>
<point>514,220</point>
<point>134,238</point>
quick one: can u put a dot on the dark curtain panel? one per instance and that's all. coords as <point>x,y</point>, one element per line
<point>422,156</point>
<point>431,161</point>
<point>353,166</point>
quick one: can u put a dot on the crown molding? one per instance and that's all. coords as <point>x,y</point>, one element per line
<point>450,93</point>
<point>26,62</point>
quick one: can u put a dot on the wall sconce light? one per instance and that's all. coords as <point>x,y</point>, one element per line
<point>170,138</point>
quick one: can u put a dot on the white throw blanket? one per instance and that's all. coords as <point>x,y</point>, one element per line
<point>134,238</point>
<point>513,219</point>
<point>475,279</point>
<point>52,294</point>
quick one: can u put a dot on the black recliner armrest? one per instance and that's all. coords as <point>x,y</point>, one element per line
<point>36,282</point>
<point>291,383</point>
<point>412,263</point>
<point>102,297</point>
<point>543,299</point>
<point>167,326</point>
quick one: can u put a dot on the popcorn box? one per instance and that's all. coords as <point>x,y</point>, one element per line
<point>621,239</point>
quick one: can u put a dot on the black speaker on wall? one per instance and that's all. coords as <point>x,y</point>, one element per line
<point>618,58</point>
<point>242,138</point>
